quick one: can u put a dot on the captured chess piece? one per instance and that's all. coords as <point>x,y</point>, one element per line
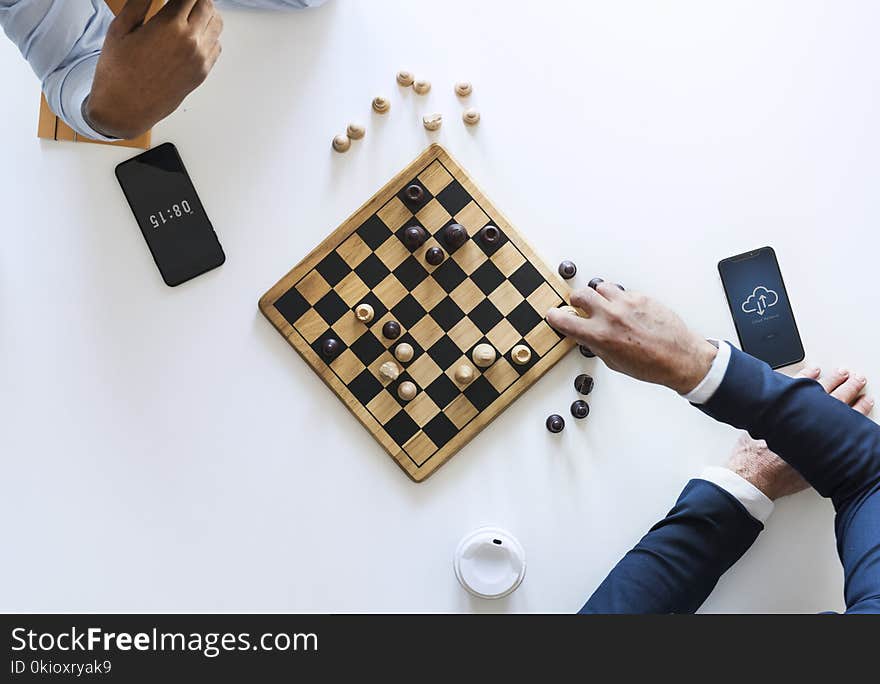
<point>586,351</point>
<point>555,423</point>
<point>414,237</point>
<point>583,383</point>
<point>580,409</point>
<point>594,283</point>
<point>330,348</point>
<point>567,269</point>
<point>455,235</point>
<point>391,330</point>
<point>434,256</point>
<point>364,313</point>
<point>490,235</point>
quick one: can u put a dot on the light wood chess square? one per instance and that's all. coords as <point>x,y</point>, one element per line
<point>351,289</point>
<point>467,295</point>
<point>424,370</point>
<point>349,328</point>
<point>542,338</point>
<point>429,293</point>
<point>313,287</point>
<point>450,372</point>
<point>347,366</point>
<point>501,374</point>
<point>508,258</point>
<point>465,334</point>
<point>472,218</point>
<point>543,299</point>
<point>354,250</point>
<point>394,214</point>
<point>426,332</point>
<point>392,252</point>
<point>310,325</point>
<point>422,409</point>
<point>469,256</point>
<point>433,216</point>
<point>435,178</point>
<point>460,411</point>
<point>383,406</point>
<point>503,336</point>
<point>390,291</point>
<point>420,448</point>
<point>506,297</point>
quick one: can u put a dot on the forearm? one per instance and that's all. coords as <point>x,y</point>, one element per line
<point>835,448</point>
<point>61,40</point>
<point>678,563</point>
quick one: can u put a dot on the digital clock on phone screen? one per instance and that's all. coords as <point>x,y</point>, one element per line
<point>170,214</point>
<point>178,210</point>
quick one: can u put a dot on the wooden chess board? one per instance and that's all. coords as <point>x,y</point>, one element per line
<point>496,294</point>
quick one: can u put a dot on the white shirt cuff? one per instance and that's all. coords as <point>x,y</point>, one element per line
<point>709,384</point>
<point>753,499</point>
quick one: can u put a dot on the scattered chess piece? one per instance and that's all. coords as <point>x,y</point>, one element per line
<point>521,355</point>
<point>594,283</point>
<point>434,256</point>
<point>404,352</point>
<point>484,355</point>
<point>455,235</point>
<point>356,131</point>
<point>490,235</point>
<point>463,89</point>
<point>432,122</point>
<point>421,86</point>
<point>555,423</point>
<point>464,374</point>
<point>567,269</point>
<point>407,390</point>
<point>391,330</point>
<point>389,371</point>
<point>381,105</point>
<point>405,78</point>
<point>414,237</point>
<point>583,383</point>
<point>580,409</point>
<point>330,348</point>
<point>364,313</point>
<point>414,193</point>
<point>586,351</point>
<point>471,117</point>
<point>341,143</point>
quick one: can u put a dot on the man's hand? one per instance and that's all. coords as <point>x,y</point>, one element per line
<point>146,70</point>
<point>637,336</point>
<point>753,461</point>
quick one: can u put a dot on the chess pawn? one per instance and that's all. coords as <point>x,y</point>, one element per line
<point>389,371</point>
<point>364,313</point>
<point>484,355</point>
<point>464,374</point>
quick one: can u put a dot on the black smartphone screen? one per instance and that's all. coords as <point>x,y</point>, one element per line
<point>170,214</point>
<point>760,307</point>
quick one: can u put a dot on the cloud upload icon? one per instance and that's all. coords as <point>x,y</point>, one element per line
<point>760,300</point>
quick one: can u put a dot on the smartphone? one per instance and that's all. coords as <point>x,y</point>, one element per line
<point>760,307</point>
<point>170,214</point>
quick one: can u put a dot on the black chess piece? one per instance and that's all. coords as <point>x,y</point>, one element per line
<point>415,194</point>
<point>586,351</point>
<point>594,283</point>
<point>583,383</point>
<point>434,256</point>
<point>391,330</point>
<point>567,269</point>
<point>330,348</point>
<point>455,235</point>
<point>490,235</point>
<point>414,237</point>
<point>580,409</point>
<point>555,423</point>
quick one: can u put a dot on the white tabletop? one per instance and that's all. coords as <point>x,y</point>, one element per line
<point>165,449</point>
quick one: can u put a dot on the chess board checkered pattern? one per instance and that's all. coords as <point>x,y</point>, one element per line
<point>496,294</point>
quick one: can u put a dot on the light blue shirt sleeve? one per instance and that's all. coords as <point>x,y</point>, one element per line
<point>61,39</point>
<point>271,4</point>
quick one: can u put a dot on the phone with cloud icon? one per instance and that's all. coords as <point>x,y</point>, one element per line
<point>760,307</point>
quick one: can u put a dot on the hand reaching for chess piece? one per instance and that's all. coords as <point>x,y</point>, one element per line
<point>147,69</point>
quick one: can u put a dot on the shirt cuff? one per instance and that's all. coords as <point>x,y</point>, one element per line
<point>74,91</point>
<point>753,499</point>
<point>712,381</point>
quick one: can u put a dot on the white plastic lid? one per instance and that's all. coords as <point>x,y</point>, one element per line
<point>490,563</point>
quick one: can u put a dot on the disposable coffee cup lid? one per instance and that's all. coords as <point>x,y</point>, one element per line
<point>490,563</point>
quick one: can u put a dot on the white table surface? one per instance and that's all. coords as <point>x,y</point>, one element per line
<point>166,450</point>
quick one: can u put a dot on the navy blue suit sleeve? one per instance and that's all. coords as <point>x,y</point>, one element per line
<point>835,448</point>
<point>678,563</point>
